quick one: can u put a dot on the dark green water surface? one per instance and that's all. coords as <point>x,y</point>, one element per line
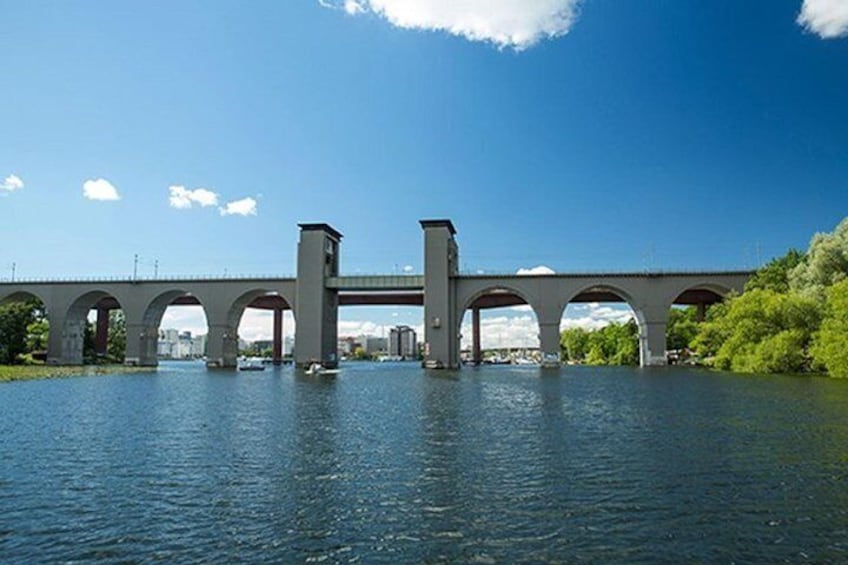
<point>390,463</point>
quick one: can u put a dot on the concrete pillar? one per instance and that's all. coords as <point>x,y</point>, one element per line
<point>278,336</point>
<point>549,343</point>
<point>222,346</point>
<point>701,314</point>
<point>101,335</point>
<point>64,343</point>
<point>476,351</point>
<point>316,333</point>
<point>142,345</point>
<point>441,263</point>
<point>652,339</point>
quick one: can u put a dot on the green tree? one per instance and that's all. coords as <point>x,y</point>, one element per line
<point>825,264</point>
<point>775,275</point>
<point>830,345</point>
<point>682,328</point>
<point>574,344</point>
<point>116,340</point>
<point>15,317</point>
<point>38,333</point>
<point>761,331</point>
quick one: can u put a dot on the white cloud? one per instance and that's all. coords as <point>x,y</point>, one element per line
<point>593,316</point>
<point>503,331</point>
<point>353,7</point>
<point>243,207</point>
<point>11,183</point>
<point>100,189</point>
<point>183,198</point>
<point>518,24</point>
<point>826,18</point>
<point>408,268</point>
<point>538,270</point>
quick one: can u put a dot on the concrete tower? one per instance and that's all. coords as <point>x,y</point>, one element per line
<point>441,265</point>
<point>316,315</point>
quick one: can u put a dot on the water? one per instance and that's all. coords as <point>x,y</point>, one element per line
<point>388,463</point>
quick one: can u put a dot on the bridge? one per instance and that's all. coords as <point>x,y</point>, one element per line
<point>318,290</point>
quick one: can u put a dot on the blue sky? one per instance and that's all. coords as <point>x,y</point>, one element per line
<point>597,135</point>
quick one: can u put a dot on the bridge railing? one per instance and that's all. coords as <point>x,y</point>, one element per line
<point>144,279</point>
<point>607,273</point>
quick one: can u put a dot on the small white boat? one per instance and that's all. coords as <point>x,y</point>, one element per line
<point>318,369</point>
<point>252,365</point>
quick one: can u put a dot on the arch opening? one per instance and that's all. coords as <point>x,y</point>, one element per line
<point>180,326</point>
<point>599,326</point>
<point>24,329</point>
<point>688,311</point>
<point>264,322</point>
<point>93,331</point>
<point>391,329</point>
<point>499,326</point>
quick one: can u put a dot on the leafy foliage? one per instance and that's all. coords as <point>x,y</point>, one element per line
<point>761,331</point>
<point>825,264</point>
<point>830,347</point>
<point>615,344</point>
<point>15,321</point>
<point>775,275</point>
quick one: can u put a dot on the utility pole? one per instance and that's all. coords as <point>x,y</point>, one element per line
<point>156,269</point>
<point>14,266</point>
<point>135,267</point>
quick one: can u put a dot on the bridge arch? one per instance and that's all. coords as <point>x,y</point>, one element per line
<point>590,308</point>
<point>687,308</point>
<point>497,296</point>
<point>143,326</point>
<point>22,296</point>
<point>67,340</point>
<point>263,299</point>
<point>34,341</point>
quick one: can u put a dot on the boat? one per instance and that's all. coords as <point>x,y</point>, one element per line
<point>252,365</point>
<point>319,369</point>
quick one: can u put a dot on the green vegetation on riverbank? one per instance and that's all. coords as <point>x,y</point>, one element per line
<point>792,318</point>
<point>10,373</point>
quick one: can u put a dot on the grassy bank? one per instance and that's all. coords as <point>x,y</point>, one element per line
<point>10,373</point>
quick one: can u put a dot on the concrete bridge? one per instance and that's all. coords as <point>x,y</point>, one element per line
<point>318,290</point>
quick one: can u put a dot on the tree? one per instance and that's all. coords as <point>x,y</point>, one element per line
<point>775,275</point>
<point>826,263</point>
<point>682,328</point>
<point>830,345</point>
<point>116,340</point>
<point>14,320</point>
<point>574,344</point>
<point>761,331</point>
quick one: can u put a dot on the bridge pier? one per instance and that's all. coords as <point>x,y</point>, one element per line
<point>142,345</point>
<point>222,347</point>
<point>316,332</point>
<point>549,343</point>
<point>652,338</point>
<point>476,351</point>
<point>441,265</point>
<point>278,336</point>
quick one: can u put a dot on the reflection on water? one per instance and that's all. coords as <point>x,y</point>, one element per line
<point>388,463</point>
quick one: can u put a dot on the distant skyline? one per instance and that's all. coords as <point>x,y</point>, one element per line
<point>572,135</point>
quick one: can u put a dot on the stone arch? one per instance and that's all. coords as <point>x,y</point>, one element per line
<point>604,292</point>
<point>240,304</point>
<point>143,331</point>
<point>22,296</point>
<point>73,323</point>
<point>509,293</point>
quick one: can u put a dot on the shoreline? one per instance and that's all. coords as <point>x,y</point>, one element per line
<point>14,373</point>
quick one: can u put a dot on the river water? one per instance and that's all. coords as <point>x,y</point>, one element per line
<point>389,463</point>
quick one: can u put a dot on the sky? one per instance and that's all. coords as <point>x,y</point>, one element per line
<point>576,135</point>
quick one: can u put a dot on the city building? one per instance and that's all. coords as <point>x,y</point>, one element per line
<point>402,343</point>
